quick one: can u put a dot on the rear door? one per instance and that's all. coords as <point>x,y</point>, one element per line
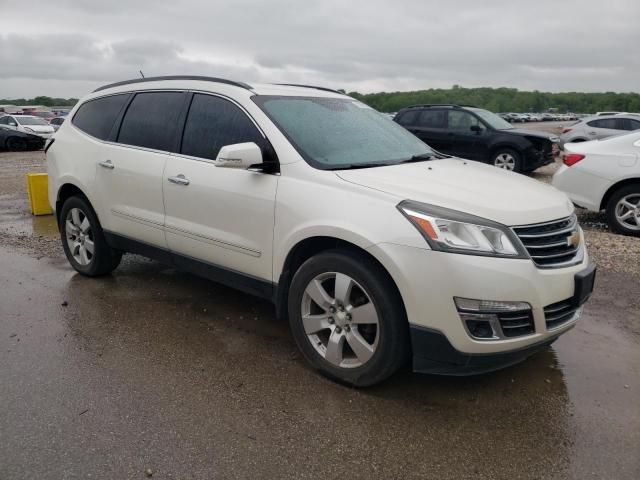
<point>221,216</point>
<point>129,170</point>
<point>429,125</point>
<point>604,127</point>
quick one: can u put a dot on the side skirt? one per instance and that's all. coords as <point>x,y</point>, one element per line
<point>231,278</point>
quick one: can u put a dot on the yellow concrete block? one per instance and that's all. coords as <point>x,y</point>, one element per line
<point>37,188</point>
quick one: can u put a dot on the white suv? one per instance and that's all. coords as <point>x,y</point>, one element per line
<point>375,247</point>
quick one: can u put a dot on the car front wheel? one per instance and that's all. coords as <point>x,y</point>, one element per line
<point>347,318</point>
<point>507,159</point>
<point>623,211</point>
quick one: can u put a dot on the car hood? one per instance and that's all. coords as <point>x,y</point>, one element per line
<point>532,133</point>
<point>40,128</point>
<point>505,197</point>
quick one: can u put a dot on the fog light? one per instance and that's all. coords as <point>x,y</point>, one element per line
<point>483,319</point>
<point>470,305</point>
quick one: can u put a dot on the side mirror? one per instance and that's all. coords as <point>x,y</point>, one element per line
<point>240,155</point>
<point>475,128</point>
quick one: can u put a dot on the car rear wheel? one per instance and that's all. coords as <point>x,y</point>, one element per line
<point>347,318</point>
<point>623,211</point>
<point>83,239</point>
<point>16,144</point>
<point>507,159</point>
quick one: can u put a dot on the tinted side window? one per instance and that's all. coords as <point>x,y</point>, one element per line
<point>4,120</point>
<point>151,120</point>
<point>409,118</point>
<point>432,118</point>
<point>96,117</point>
<point>462,121</point>
<point>214,122</point>
<point>610,123</point>
<point>633,124</point>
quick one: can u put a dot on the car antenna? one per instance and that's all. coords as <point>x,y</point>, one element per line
<point>141,74</point>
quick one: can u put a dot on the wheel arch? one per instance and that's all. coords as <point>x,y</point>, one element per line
<point>504,145</point>
<point>616,186</point>
<point>68,190</point>
<point>309,247</point>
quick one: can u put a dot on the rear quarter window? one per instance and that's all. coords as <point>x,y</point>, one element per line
<point>96,117</point>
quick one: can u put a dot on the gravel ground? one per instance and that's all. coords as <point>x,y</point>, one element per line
<point>39,235</point>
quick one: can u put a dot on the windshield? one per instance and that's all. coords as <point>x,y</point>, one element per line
<point>31,121</point>
<point>494,121</point>
<point>338,133</point>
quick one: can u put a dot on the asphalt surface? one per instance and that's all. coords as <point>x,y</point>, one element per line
<point>151,368</point>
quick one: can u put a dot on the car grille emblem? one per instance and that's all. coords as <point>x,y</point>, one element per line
<point>574,239</point>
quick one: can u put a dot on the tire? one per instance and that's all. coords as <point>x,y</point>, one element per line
<point>623,210</point>
<point>16,144</point>
<point>80,228</point>
<point>507,159</point>
<point>382,347</point>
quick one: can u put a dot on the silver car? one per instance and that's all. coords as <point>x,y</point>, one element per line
<point>594,128</point>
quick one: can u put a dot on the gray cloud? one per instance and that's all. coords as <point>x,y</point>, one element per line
<point>358,45</point>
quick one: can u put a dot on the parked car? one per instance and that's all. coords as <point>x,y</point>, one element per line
<point>15,140</point>
<point>377,248</point>
<point>46,115</point>
<point>56,122</point>
<point>478,134</point>
<point>593,128</point>
<point>28,124</point>
<point>605,175</point>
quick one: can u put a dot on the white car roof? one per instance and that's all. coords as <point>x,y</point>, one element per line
<point>216,85</point>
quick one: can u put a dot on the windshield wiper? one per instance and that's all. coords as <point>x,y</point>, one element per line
<point>353,166</point>
<point>420,158</point>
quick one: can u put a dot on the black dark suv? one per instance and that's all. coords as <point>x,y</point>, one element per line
<point>477,134</point>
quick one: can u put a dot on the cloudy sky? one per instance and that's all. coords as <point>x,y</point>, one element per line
<point>68,47</point>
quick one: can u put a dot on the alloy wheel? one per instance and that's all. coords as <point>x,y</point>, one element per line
<point>628,211</point>
<point>340,320</point>
<point>79,236</point>
<point>505,161</point>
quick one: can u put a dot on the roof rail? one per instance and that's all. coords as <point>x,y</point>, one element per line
<point>454,105</point>
<point>176,77</point>
<point>309,86</point>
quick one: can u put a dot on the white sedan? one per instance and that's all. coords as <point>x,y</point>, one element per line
<point>605,175</point>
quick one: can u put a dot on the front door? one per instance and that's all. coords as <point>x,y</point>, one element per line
<point>221,216</point>
<point>467,132</point>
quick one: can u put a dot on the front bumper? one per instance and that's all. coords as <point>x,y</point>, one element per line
<point>434,354</point>
<point>429,280</point>
<point>534,158</point>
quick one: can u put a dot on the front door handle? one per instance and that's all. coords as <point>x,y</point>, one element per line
<point>179,180</point>
<point>107,164</point>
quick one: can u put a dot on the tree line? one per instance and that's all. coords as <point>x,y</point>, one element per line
<point>505,100</point>
<point>494,99</point>
<point>41,100</point>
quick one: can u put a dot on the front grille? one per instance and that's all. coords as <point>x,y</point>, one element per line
<point>516,324</point>
<point>559,313</point>
<point>551,244</point>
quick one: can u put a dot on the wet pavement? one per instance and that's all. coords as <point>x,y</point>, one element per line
<point>151,368</point>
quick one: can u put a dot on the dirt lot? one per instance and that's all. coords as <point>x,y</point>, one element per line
<point>155,369</point>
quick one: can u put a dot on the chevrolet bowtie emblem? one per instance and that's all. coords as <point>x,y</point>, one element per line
<point>573,240</point>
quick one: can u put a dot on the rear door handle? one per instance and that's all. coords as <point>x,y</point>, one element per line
<point>107,164</point>
<point>179,180</point>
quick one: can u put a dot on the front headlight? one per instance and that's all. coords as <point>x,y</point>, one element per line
<point>29,129</point>
<point>452,231</point>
